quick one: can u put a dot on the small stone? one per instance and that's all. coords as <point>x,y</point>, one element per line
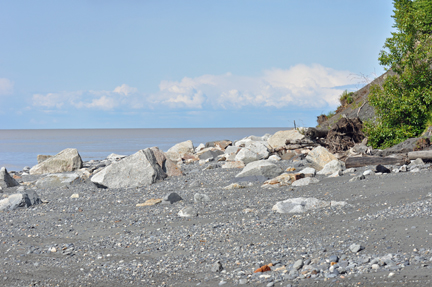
<point>243,281</point>
<point>199,197</point>
<point>188,211</point>
<point>171,198</point>
<point>355,248</point>
<point>298,264</point>
<point>216,267</point>
<point>357,178</point>
<point>75,195</point>
<point>234,186</point>
<point>381,168</point>
<point>368,172</point>
<point>375,266</point>
<point>149,202</point>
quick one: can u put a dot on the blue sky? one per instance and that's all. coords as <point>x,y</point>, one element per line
<point>168,64</point>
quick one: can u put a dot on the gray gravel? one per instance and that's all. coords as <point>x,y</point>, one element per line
<point>381,237</point>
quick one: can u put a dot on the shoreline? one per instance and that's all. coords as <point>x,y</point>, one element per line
<point>83,234</point>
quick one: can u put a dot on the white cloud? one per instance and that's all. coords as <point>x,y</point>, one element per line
<point>125,90</point>
<point>301,86</point>
<point>6,86</point>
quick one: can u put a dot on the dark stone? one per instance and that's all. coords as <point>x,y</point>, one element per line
<point>171,198</point>
<point>381,168</point>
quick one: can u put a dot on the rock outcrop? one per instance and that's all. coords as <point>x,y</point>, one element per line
<point>66,160</point>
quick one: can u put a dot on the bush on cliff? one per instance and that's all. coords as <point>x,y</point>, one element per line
<point>403,103</point>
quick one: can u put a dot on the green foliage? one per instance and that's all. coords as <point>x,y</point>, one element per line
<point>404,103</point>
<point>346,98</point>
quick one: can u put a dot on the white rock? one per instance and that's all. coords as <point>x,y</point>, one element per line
<point>200,147</point>
<point>368,172</point>
<point>115,157</point>
<point>274,157</point>
<point>246,155</point>
<point>299,205</point>
<point>305,181</point>
<point>332,167</point>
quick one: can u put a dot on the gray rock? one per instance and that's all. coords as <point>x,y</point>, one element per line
<point>17,200</point>
<point>171,198</point>
<point>58,180</point>
<point>368,172</point>
<point>305,181</point>
<point>355,247</point>
<point>210,154</point>
<point>298,264</point>
<point>139,169</point>
<point>199,197</point>
<point>332,167</point>
<point>216,267</point>
<point>259,168</point>
<point>188,211</point>
<point>232,149</point>
<point>194,184</point>
<point>66,160</point>
<point>349,170</point>
<point>6,180</point>
<point>260,148</point>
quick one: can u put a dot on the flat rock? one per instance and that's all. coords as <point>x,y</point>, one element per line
<point>6,180</point>
<point>58,180</point>
<point>139,169</point>
<point>309,172</point>
<point>305,181</point>
<point>263,168</point>
<point>65,161</point>
<point>299,205</point>
<point>150,202</point>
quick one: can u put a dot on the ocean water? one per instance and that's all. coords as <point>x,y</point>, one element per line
<point>19,148</point>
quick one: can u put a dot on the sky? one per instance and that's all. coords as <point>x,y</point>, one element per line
<point>184,64</point>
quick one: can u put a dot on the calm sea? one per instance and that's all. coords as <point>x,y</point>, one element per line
<point>19,148</point>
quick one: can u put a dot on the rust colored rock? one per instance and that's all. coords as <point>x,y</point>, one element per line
<point>189,156</point>
<point>150,202</point>
<point>297,176</point>
<point>223,144</point>
<point>264,268</point>
<point>16,176</point>
<point>291,169</point>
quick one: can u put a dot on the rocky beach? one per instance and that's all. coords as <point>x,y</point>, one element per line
<point>272,210</point>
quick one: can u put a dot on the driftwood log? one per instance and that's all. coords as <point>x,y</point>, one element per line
<point>424,154</point>
<point>372,160</point>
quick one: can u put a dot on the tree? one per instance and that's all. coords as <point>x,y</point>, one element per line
<point>403,103</point>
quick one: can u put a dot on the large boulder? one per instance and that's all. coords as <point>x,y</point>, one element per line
<point>66,160</point>
<point>280,138</point>
<point>139,169</point>
<point>263,168</point>
<point>6,180</point>
<point>177,152</point>
<point>319,157</point>
<point>167,165</point>
<point>58,180</point>
<point>259,148</point>
<point>210,154</point>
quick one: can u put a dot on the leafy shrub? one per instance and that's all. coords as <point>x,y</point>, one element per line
<point>404,103</point>
<point>346,98</point>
